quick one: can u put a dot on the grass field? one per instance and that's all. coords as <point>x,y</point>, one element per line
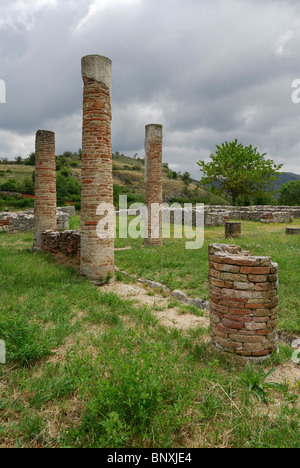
<point>15,171</point>
<point>187,270</point>
<point>88,368</point>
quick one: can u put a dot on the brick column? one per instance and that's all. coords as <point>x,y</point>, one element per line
<point>244,302</point>
<point>153,175</point>
<point>97,255</point>
<point>45,186</point>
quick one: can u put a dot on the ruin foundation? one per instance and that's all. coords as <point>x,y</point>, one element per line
<point>233,229</point>
<point>66,243</point>
<point>292,231</point>
<point>243,302</point>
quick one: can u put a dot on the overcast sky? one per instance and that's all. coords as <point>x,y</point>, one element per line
<point>207,70</point>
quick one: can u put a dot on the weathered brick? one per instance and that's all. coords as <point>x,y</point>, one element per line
<point>255,270</point>
<point>234,277</point>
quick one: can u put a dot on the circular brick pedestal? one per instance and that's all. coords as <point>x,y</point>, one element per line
<point>244,302</point>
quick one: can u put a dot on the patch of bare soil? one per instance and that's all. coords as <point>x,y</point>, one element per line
<point>288,373</point>
<point>170,317</point>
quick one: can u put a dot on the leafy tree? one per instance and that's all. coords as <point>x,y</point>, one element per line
<point>290,193</point>
<point>61,162</point>
<point>186,178</point>
<point>239,170</point>
<point>30,161</point>
<point>19,160</point>
<point>68,188</point>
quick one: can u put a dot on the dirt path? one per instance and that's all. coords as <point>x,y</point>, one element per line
<point>171,317</point>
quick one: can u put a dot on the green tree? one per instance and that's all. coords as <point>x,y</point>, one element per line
<point>239,170</point>
<point>30,161</point>
<point>290,193</point>
<point>19,160</point>
<point>186,178</point>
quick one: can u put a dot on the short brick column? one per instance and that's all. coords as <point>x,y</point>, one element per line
<point>292,231</point>
<point>45,186</point>
<point>244,302</point>
<point>153,176</point>
<point>97,254</point>
<point>233,229</point>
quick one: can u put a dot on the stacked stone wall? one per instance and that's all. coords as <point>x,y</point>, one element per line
<point>67,243</point>
<point>23,221</point>
<point>243,301</point>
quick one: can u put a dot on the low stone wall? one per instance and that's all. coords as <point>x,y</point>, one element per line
<point>23,221</point>
<point>66,243</point>
<point>278,217</point>
<point>218,215</point>
<point>281,214</point>
<point>70,210</point>
<point>243,301</point>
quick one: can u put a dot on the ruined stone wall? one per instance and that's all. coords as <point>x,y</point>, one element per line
<point>244,301</point>
<point>153,176</point>
<point>70,210</point>
<point>97,255</point>
<point>66,243</point>
<point>23,221</point>
<point>278,217</point>
<point>256,213</point>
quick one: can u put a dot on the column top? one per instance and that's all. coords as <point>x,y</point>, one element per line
<point>45,132</point>
<point>154,125</point>
<point>98,68</point>
<point>154,131</point>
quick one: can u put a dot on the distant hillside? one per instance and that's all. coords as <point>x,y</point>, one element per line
<point>130,173</point>
<point>284,178</point>
<point>129,178</point>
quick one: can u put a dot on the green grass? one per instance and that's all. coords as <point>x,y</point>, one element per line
<point>86,368</point>
<point>187,270</point>
<point>15,171</point>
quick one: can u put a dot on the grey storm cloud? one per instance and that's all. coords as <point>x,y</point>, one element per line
<point>208,71</point>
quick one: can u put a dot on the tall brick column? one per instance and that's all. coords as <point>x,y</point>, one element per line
<point>45,186</point>
<point>97,255</point>
<point>153,175</point>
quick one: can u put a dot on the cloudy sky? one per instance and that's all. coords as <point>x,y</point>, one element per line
<point>208,70</point>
